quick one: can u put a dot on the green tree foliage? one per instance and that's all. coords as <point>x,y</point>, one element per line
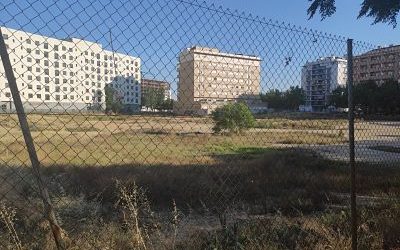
<point>233,118</point>
<point>153,98</point>
<point>290,99</point>
<point>383,11</point>
<point>113,103</point>
<point>371,97</point>
<point>167,104</point>
<point>339,97</point>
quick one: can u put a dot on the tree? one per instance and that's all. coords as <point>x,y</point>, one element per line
<point>274,98</point>
<point>290,99</point>
<point>153,98</point>
<point>113,102</point>
<point>383,11</point>
<point>339,97</point>
<point>167,104</point>
<point>294,97</point>
<point>232,117</point>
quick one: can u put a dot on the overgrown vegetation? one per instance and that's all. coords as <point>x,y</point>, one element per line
<point>279,200</point>
<point>233,118</point>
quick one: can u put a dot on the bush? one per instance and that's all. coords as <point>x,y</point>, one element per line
<point>233,118</point>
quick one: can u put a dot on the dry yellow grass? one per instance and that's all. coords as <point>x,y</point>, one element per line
<point>111,140</point>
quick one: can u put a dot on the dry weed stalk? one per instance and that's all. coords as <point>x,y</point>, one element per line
<point>7,215</point>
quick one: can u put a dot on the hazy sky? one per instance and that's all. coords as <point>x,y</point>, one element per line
<point>344,22</point>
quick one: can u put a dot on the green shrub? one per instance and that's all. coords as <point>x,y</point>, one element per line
<point>233,118</point>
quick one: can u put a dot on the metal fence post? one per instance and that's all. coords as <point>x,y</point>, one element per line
<point>351,143</point>
<point>49,211</point>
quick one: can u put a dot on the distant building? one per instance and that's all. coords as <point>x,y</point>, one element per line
<point>149,85</point>
<point>209,78</point>
<point>378,65</point>
<point>320,78</point>
<point>66,75</point>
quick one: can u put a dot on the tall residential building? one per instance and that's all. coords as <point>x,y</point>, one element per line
<point>149,85</point>
<point>378,65</point>
<point>66,75</point>
<point>209,78</point>
<point>320,78</point>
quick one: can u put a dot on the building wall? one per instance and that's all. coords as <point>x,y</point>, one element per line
<point>378,65</point>
<point>209,78</point>
<point>148,85</point>
<point>64,74</point>
<point>320,78</point>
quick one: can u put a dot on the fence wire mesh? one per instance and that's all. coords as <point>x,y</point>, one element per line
<point>180,125</point>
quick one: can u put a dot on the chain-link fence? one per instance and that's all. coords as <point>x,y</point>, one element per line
<point>178,125</point>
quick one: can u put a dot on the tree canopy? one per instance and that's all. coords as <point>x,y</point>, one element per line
<point>290,99</point>
<point>371,98</point>
<point>382,11</point>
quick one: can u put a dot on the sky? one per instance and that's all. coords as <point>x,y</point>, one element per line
<point>344,22</point>
<point>157,31</point>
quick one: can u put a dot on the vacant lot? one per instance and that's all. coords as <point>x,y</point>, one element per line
<point>110,140</point>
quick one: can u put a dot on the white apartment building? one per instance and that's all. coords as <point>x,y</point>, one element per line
<point>320,78</point>
<point>66,75</point>
<point>209,78</point>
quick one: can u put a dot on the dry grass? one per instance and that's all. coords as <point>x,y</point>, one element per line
<point>103,140</point>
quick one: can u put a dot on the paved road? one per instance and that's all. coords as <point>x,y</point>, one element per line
<point>368,135</point>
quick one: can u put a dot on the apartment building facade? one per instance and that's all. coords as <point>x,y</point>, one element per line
<point>148,85</point>
<point>209,78</point>
<point>378,65</point>
<point>67,75</point>
<point>319,78</point>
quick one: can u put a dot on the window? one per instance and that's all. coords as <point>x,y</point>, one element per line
<point>70,49</point>
<point>37,52</point>
<point>65,89</point>
<point>39,96</point>
<point>46,63</point>
<point>56,56</point>
<point>47,97</point>
<point>64,48</point>
<point>56,80</point>
<point>29,77</point>
<point>8,94</point>
<point>71,97</point>
<point>30,96</point>
<point>29,86</point>
<point>56,64</point>
<point>46,71</point>
<point>46,80</point>
<point>29,59</point>
<point>71,81</point>
<point>57,89</point>
<point>38,78</point>
<point>5,36</point>
<point>38,87</point>
<point>57,73</point>
<point>46,45</point>
<point>65,81</point>
<point>56,47</point>
<point>28,50</point>
<point>37,43</point>
<point>57,97</point>
<point>46,54</point>
<point>65,97</point>
<point>38,70</point>
<point>28,41</point>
